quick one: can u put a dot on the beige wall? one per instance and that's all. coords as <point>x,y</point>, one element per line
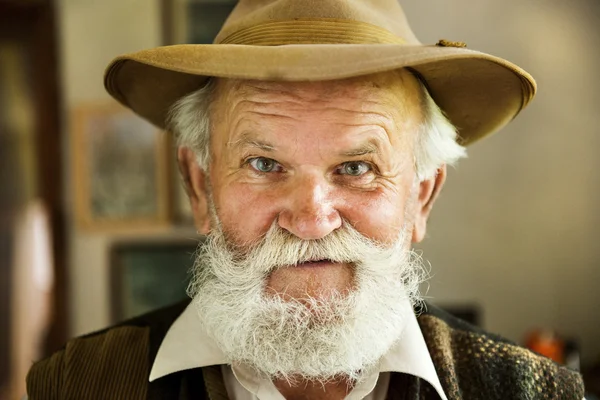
<point>515,227</point>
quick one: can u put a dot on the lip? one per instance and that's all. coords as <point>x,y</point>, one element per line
<point>315,264</point>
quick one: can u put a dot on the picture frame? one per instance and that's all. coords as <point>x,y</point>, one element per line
<point>194,21</point>
<point>149,274</point>
<point>121,169</point>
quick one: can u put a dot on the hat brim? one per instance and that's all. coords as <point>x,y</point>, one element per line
<point>478,92</point>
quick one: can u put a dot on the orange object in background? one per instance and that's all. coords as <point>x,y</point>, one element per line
<point>547,343</point>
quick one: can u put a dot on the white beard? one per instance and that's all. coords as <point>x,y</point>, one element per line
<point>337,335</point>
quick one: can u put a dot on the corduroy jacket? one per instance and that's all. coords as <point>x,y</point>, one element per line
<point>471,364</point>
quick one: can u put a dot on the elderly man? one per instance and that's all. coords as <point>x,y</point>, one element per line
<point>313,140</point>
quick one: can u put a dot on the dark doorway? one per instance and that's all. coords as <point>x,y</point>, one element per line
<point>30,158</point>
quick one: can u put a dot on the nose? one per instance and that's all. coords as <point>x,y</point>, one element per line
<point>310,211</point>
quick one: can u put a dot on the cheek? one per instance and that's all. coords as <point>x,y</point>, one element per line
<point>245,211</point>
<point>377,215</point>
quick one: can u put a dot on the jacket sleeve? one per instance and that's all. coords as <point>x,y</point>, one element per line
<point>109,365</point>
<point>44,380</point>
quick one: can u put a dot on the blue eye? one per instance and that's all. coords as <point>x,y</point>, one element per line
<point>355,168</point>
<point>263,164</point>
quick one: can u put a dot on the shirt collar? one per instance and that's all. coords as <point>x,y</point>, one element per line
<point>187,346</point>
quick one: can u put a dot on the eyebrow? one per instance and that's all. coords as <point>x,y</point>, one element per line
<point>366,148</point>
<point>247,141</point>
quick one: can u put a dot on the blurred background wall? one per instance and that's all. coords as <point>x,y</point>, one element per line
<point>514,231</point>
<point>516,227</point>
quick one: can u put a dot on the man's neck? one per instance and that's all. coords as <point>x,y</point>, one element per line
<point>302,390</point>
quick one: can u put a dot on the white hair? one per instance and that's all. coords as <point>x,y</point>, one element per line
<point>436,144</point>
<point>189,120</point>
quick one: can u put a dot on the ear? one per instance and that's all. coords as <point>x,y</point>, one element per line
<point>428,192</point>
<point>194,180</point>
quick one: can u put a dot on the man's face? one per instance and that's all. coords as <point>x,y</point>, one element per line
<point>313,204</point>
<point>307,156</point>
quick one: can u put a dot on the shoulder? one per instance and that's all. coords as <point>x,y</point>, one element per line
<point>474,363</point>
<point>120,354</point>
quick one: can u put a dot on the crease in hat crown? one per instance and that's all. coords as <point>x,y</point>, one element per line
<point>280,22</point>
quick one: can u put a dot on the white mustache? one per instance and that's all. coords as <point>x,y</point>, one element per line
<point>279,248</point>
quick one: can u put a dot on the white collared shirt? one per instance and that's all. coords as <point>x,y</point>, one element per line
<point>187,346</point>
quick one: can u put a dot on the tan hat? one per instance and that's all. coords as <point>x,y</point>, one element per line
<point>311,40</point>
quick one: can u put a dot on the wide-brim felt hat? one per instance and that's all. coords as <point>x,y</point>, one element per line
<point>317,40</point>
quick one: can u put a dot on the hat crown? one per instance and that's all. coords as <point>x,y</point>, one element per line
<point>384,14</point>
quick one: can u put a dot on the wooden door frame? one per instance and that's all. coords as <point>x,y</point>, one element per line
<point>40,14</point>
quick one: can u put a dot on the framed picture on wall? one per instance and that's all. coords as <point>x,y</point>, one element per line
<point>120,169</point>
<point>149,275</point>
<point>194,21</point>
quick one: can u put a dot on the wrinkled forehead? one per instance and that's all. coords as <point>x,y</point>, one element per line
<point>399,92</point>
